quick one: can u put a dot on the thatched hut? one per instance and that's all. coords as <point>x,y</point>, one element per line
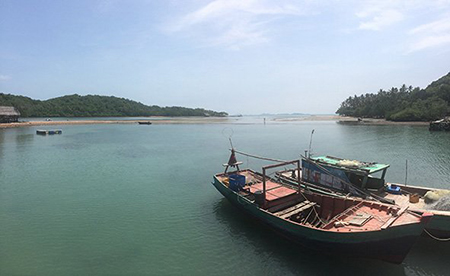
<point>9,114</point>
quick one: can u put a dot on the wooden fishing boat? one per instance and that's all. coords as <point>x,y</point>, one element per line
<point>332,225</point>
<point>359,179</point>
<point>49,132</point>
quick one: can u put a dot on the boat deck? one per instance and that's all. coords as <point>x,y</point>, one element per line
<point>328,213</point>
<point>403,201</point>
<point>363,217</point>
<point>274,191</point>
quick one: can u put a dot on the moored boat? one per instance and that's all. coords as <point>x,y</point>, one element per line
<point>359,179</point>
<point>333,225</point>
<point>442,124</point>
<point>49,132</point>
<point>144,122</point>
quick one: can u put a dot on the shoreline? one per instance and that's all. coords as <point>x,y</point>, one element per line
<point>159,120</point>
<point>372,121</point>
<point>352,120</point>
<point>214,120</point>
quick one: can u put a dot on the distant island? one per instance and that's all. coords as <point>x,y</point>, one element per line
<point>402,104</point>
<point>96,106</point>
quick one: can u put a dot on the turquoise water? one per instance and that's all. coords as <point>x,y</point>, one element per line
<point>137,200</point>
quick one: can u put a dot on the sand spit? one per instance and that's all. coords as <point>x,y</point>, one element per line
<point>159,120</point>
<point>215,120</point>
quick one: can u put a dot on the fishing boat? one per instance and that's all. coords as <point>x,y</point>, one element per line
<point>144,122</point>
<point>49,132</point>
<point>329,224</point>
<point>367,180</point>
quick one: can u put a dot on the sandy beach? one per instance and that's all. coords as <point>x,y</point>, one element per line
<point>157,120</point>
<point>212,120</point>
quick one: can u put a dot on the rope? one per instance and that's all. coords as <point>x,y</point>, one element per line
<point>436,238</point>
<point>259,157</point>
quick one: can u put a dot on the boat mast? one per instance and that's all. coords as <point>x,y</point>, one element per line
<point>310,142</point>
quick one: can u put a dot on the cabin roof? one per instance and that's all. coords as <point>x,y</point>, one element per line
<point>370,167</point>
<point>8,111</point>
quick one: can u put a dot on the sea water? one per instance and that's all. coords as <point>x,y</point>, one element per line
<point>138,200</point>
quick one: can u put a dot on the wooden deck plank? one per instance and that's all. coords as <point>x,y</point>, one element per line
<point>259,186</point>
<point>303,208</point>
<point>393,218</point>
<point>282,212</point>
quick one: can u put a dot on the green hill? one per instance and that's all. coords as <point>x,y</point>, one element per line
<point>402,104</point>
<point>96,106</point>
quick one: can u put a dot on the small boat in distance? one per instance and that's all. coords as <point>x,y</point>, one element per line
<point>144,122</point>
<point>49,132</point>
<point>331,225</point>
<point>442,124</point>
<point>367,180</point>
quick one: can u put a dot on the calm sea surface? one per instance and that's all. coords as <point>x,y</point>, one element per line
<point>137,200</point>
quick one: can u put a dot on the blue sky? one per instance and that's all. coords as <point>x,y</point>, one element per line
<point>246,56</point>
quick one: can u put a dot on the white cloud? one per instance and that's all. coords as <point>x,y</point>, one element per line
<point>234,23</point>
<point>379,19</point>
<point>430,35</point>
<point>429,42</point>
<point>439,26</point>
<point>5,78</point>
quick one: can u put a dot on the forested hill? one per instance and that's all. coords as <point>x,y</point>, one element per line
<point>95,106</point>
<point>402,104</point>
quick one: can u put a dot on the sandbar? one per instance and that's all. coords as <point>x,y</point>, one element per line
<point>215,120</point>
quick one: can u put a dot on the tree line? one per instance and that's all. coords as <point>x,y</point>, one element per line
<point>96,106</point>
<point>406,103</point>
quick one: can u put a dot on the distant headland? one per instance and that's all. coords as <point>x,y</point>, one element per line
<point>402,104</point>
<point>97,106</point>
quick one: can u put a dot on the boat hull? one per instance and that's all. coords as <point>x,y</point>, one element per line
<point>439,225</point>
<point>391,244</point>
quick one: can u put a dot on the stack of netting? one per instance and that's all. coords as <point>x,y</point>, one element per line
<point>438,200</point>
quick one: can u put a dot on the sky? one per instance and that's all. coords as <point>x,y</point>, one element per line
<point>238,56</point>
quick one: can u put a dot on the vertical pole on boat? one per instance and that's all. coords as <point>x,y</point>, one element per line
<point>406,174</point>
<point>310,142</point>
<point>298,175</point>
<point>383,174</point>
<point>364,182</point>
<point>264,184</point>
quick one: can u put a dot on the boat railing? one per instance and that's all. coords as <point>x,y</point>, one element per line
<point>265,168</point>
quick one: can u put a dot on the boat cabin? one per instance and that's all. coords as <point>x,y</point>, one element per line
<point>338,174</point>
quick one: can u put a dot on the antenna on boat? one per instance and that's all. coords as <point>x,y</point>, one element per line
<point>231,143</point>
<point>310,142</point>
<point>230,134</point>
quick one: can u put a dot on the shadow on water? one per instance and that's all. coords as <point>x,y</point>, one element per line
<point>2,135</point>
<point>293,257</point>
<point>428,257</point>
